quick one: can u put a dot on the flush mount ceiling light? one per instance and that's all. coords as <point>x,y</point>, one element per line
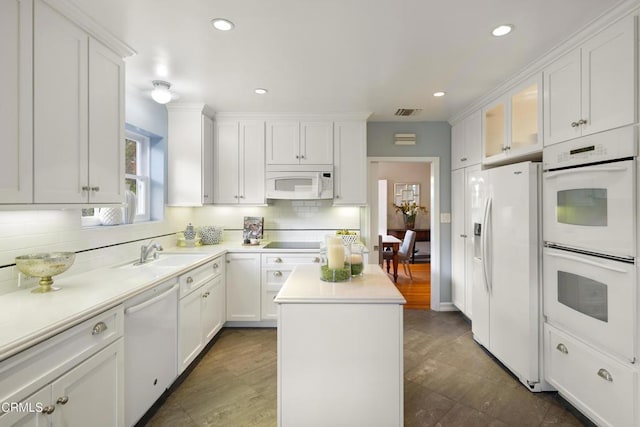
<point>161,93</point>
<point>222,24</point>
<point>502,30</point>
<point>439,94</point>
<point>260,91</point>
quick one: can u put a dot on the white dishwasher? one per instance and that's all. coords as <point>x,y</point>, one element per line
<point>150,340</point>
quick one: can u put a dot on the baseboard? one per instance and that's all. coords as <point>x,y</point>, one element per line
<point>447,306</point>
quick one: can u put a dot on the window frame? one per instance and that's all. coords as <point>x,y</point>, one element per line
<point>143,173</point>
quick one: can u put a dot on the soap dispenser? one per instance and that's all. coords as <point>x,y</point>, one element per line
<point>189,232</point>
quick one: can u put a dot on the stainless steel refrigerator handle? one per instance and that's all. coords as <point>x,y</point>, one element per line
<point>586,261</point>
<point>587,169</point>
<point>483,244</point>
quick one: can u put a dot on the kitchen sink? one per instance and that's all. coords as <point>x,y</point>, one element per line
<point>165,260</point>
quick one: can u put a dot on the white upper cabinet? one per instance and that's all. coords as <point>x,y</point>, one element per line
<point>189,156</point>
<point>78,114</point>
<point>294,142</point>
<point>106,124</point>
<point>16,171</point>
<point>466,141</point>
<point>350,163</point>
<point>511,125</point>
<point>593,88</point>
<point>239,162</point>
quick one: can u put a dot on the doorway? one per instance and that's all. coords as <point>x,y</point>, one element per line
<point>372,220</point>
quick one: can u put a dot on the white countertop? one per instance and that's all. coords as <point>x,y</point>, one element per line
<point>27,319</point>
<point>304,286</point>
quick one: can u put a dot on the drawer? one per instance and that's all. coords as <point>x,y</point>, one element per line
<point>274,277</point>
<point>26,372</point>
<point>601,387</point>
<point>193,279</point>
<point>274,259</point>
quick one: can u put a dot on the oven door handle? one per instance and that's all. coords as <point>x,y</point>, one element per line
<point>587,169</point>
<point>586,261</point>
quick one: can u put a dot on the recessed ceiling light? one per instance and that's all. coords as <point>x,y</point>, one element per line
<point>502,30</point>
<point>260,91</point>
<point>222,24</point>
<point>439,94</point>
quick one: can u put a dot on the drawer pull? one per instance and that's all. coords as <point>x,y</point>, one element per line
<point>278,260</point>
<point>62,400</point>
<point>99,328</point>
<point>277,274</point>
<point>562,348</point>
<point>603,373</point>
<point>316,259</point>
<point>189,280</point>
<point>215,265</point>
<point>48,410</point>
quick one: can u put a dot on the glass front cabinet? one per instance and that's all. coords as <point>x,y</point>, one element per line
<point>512,124</point>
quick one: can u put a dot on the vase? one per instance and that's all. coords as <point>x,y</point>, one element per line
<point>409,221</point>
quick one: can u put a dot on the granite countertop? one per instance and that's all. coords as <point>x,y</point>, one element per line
<point>304,286</point>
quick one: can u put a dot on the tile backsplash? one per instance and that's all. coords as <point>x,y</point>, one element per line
<point>24,232</point>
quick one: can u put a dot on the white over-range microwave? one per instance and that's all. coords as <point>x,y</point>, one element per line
<point>300,185</point>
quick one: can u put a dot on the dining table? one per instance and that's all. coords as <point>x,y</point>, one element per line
<point>389,241</point>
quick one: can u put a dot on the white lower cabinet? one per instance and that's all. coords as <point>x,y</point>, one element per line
<point>276,268</point>
<point>201,309</point>
<point>243,287</point>
<point>75,378</point>
<point>599,386</point>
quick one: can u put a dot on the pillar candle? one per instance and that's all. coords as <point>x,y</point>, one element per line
<point>335,256</point>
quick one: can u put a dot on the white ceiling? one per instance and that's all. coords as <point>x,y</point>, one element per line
<point>333,56</point>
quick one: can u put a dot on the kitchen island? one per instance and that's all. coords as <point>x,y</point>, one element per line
<point>340,356</point>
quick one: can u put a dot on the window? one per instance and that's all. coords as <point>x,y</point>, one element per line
<point>137,173</point>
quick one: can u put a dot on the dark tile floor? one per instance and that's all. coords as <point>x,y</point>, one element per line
<point>449,381</point>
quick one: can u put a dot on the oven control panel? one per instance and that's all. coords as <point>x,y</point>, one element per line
<point>600,147</point>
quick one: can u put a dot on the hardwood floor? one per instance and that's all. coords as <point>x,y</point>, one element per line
<point>417,292</point>
<point>449,380</point>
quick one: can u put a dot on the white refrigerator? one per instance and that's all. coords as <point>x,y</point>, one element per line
<point>505,208</point>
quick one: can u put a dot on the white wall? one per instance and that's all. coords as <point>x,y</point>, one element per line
<point>397,172</point>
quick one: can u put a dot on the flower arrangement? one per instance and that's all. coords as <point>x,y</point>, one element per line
<point>409,208</point>
<point>409,211</point>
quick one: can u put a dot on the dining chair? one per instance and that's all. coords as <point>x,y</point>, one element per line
<point>404,253</point>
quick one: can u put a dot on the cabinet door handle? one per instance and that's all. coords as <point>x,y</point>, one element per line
<point>242,197</point>
<point>316,259</point>
<point>297,157</point>
<point>99,328</point>
<point>603,373</point>
<point>48,410</point>
<point>464,236</point>
<point>562,348</point>
<point>464,159</point>
<point>95,188</point>
<point>337,196</point>
<point>189,280</point>
<point>206,294</point>
<point>302,157</point>
<point>575,124</point>
<point>215,265</point>
<point>582,122</point>
<point>62,400</point>
<point>206,196</point>
<point>278,260</point>
<point>85,188</point>
<point>277,274</point>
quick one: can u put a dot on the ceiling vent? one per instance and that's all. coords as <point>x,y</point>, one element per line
<point>406,112</point>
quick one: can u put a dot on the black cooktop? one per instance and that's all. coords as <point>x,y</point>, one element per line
<point>292,245</point>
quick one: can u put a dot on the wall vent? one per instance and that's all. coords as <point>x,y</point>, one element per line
<point>405,112</point>
<point>404,139</point>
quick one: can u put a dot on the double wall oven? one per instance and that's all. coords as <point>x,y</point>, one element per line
<point>589,229</point>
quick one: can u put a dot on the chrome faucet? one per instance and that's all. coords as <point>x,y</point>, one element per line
<point>147,250</point>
